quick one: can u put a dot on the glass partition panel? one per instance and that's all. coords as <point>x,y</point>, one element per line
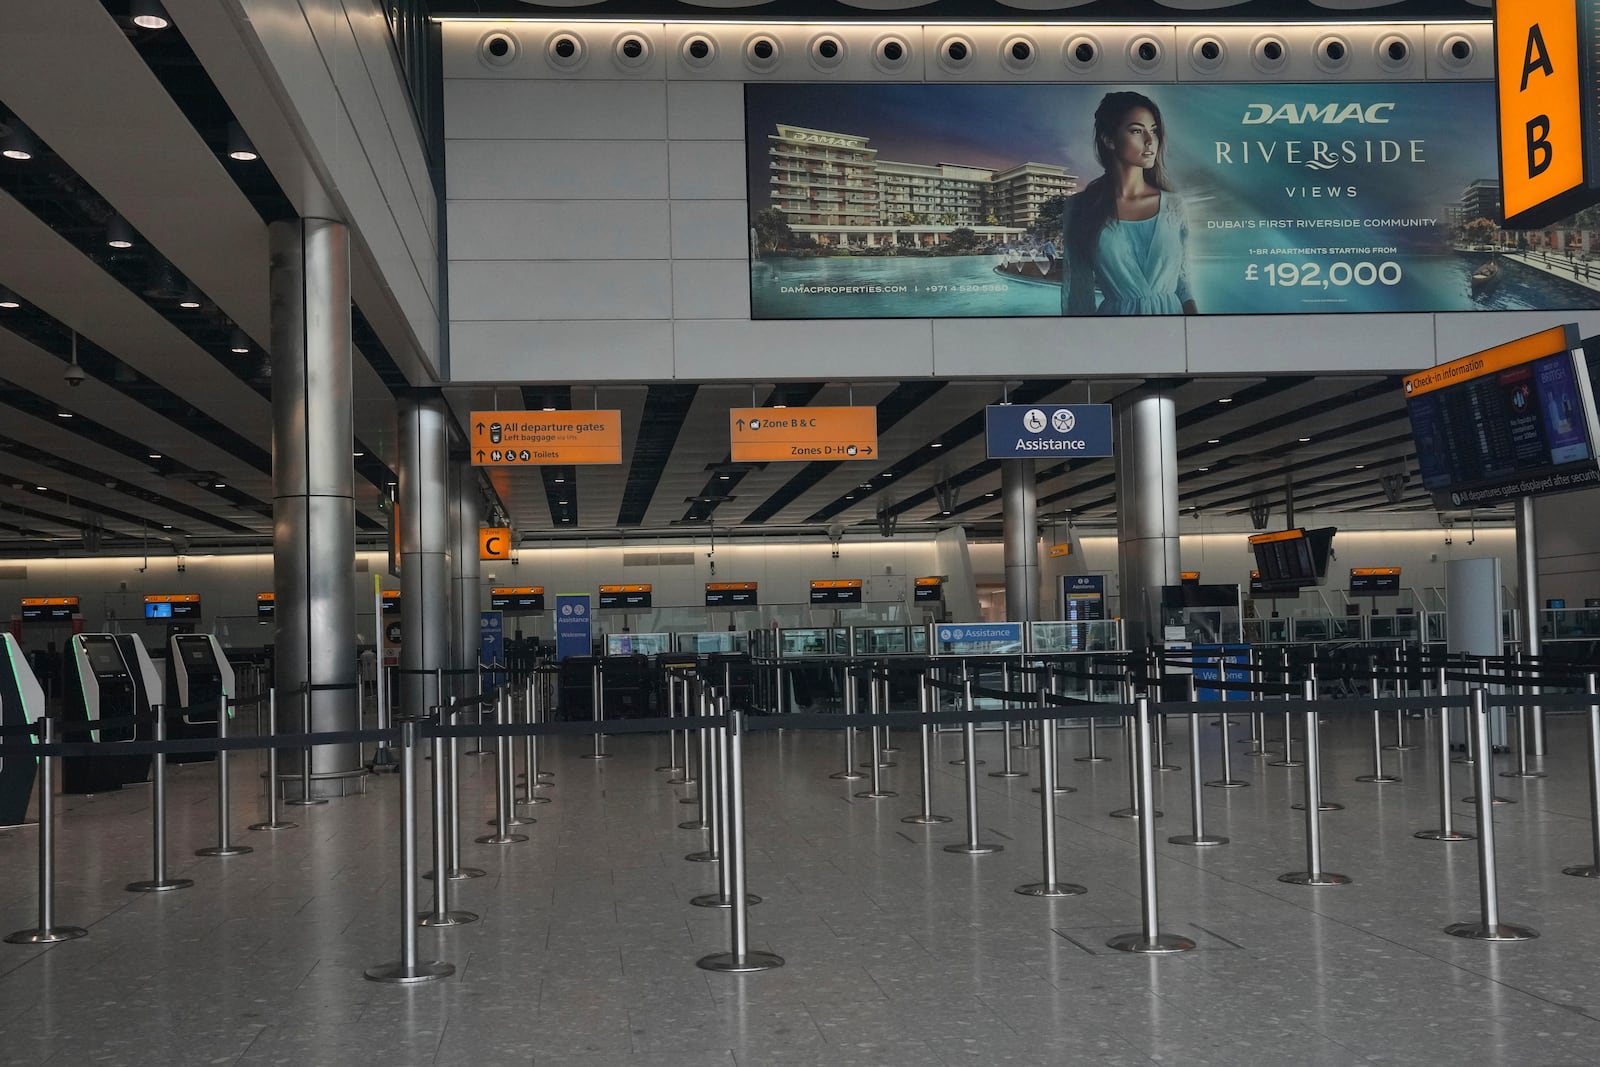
<point>714,641</point>
<point>882,640</point>
<point>809,641</point>
<point>1099,635</point>
<point>638,644</point>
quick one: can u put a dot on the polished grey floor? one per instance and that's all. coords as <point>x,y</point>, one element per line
<point>898,952</point>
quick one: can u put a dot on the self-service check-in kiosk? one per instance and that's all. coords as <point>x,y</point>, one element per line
<point>198,674</point>
<point>111,677</point>
<point>21,704</point>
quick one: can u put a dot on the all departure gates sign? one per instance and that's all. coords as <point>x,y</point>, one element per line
<point>1546,90</point>
<point>1048,431</point>
<point>542,438</point>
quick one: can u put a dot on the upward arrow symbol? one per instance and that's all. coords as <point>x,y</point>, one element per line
<point>480,427</point>
<point>740,424</point>
<point>480,455</point>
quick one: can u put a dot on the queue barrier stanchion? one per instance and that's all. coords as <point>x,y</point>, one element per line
<point>409,970</point>
<point>1148,939</point>
<point>1048,758</point>
<point>1489,926</point>
<point>672,713</point>
<point>877,703</point>
<point>159,882</point>
<point>1093,755</point>
<point>1592,868</point>
<point>1446,831</point>
<point>711,785</point>
<point>503,816</point>
<point>305,799</point>
<point>443,830</point>
<point>1227,781</point>
<point>1377,777</point>
<point>1197,835</point>
<point>597,696</point>
<point>1313,874</point>
<point>969,742</point>
<point>47,932</point>
<point>478,710</point>
<point>849,774</point>
<point>1130,736</point>
<point>740,958</point>
<point>925,817</point>
<point>1050,734</point>
<point>1323,804</point>
<point>1159,731</point>
<point>272,822</point>
<point>1006,769</point>
<point>224,845</point>
<point>877,762</point>
<point>679,683</point>
<point>888,742</point>
<point>1401,743</point>
<point>1527,729</point>
<point>457,871</point>
<point>700,765</point>
<point>530,746</point>
<point>721,851</point>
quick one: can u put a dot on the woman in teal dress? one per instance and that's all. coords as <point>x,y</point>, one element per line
<point>1126,233</point>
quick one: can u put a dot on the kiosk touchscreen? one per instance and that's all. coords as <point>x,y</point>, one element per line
<point>21,703</point>
<point>198,674</point>
<point>112,678</point>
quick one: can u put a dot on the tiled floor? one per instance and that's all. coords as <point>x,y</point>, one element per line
<point>898,952</point>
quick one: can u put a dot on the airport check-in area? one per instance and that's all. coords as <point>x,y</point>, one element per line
<point>804,536</point>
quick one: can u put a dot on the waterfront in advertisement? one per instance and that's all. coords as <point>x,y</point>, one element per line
<point>932,201</point>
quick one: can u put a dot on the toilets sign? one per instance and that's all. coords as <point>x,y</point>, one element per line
<point>1048,431</point>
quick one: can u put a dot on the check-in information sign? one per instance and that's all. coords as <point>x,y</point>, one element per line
<point>543,438</point>
<point>1046,431</point>
<point>772,435</point>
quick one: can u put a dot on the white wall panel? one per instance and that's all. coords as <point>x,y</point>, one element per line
<point>708,170</point>
<point>554,110</point>
<point>555,351</point>
<point>766,351</point>
<point>705,111</point>
<point>710,229</point>
<point>1297,344</point>
<point>557,170</point>
<point>1057,347</point>
<point>561,289</point>
<point>711,289</point>
<point>1464,333</point>
<point>559,229</point>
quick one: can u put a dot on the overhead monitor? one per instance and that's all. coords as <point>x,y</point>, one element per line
<point>391,601</point>
<point>56,608</point>
<point>624,597</point>
<point>172,606</point>
<point>266,605</point>
<point>517,599</point>
<point>1289,559</point>
<point>731,594</point>
<point>836,591</point>
<point>1374,581</point>
<point>1511,421</point>
<point>928,590</point>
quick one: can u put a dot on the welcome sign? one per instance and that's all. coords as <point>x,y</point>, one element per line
<point>885,201</point>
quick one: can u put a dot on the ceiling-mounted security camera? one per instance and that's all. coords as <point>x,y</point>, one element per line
<point>75,375</point>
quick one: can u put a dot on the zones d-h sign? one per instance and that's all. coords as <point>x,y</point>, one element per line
<point>1031,431</point>
<point>541,438</point>
<point>772,435</point>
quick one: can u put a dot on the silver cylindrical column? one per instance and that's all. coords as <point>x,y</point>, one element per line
<point>1147,509</point>
<point>1488,927</point>
<point>313,478</point>
<point>926,815</point>
<point>409,969</point>
<point>47,932</point>
<point>1446,831</point>
<point>1592,868</point>
<point>158,882</point>
<point>1313,874</point>
<point>224,845</point>
<point>1019,518</point>
<point>1148,939</point>
<point>424,550</point>
<point>272,822</point>
<point>740,957</point>
<point>971,846</point>
<point>1528,616</point>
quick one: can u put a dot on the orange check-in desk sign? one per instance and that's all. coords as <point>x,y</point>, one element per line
<point>543,438</point>
<point>1545,87</point>
<point>773,435</point>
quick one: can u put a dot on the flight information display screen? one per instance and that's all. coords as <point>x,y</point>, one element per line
<point>173,606</point>
<point>836,591</point>
<point>49,607</point>
<point>731,595</point>
<point>1374,581</point>
<point>625,597</point>
<point>517,600</point>
<point>1512,421</point>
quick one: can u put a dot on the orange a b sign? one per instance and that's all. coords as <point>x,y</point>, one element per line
<point>1542,82</point>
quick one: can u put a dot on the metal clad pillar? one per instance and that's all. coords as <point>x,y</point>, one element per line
<point>1020,518</point>
<point>424,547</point>
<point>467,509</point>
<point>1147,510</point>
<point>313,477</point>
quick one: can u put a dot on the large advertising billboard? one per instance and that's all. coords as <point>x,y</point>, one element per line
<point>909,201</point>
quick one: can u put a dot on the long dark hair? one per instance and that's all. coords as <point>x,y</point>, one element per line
<point>1096,206</point>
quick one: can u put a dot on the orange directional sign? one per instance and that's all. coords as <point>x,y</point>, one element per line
<point>1543,52</point>
<point>772,435</point>
<point>543,438</point>
<point>494,542</point>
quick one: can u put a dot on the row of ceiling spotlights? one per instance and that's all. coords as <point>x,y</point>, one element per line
<point>956,52</point>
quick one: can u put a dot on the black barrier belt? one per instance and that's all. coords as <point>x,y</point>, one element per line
<point>250,702</point>
<point>28,728</point>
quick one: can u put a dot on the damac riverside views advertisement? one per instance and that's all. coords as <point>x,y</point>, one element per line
<point>901,201</point>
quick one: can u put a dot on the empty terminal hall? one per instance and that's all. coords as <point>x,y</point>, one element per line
<point>798,533</point>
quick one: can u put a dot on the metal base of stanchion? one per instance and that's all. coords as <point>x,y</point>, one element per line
<point>847,776</point>
<point>1498,800</point>
<point>1130,813</point>
<point>1008,774</point>
<point>1091,759</point>
<point>1587,870</point>
<point>1398,748</point>
<point>1444,835</point>
<point>876,794</point>
<point>1060,790</point>
<point>1376,779</point>
<point>669,767</point>
<point>449,918</point>
<point>963,763</point>
<point>1314,878</point>
<point>1322,805</point>
<point>1477,931</point>
<point>680,780</point>
<point>1050,889</point>
<point>882,766</point>
<point>925,820</point>
<point>400,974</point>
<point>218,850</point>
<point>1523,774</point>
<point>272,826</point>
<point>305,802</point>
<point>1197,839</point>
<point>1287,763</point>
<point>717,900</point>
<point>383,762</point>
<point>974,850</point>
<point>460,874</point>
<point>1160,945</point>
<point>728,963</point>
<point>515,820</point>
<point>1167,767</point>
<point>688,800</point>
<point>531,800</point>
<point>1227,783</point>
<point>595,755</point>
<point>704,856</point>
<point>42,936</point>
<point>694,824</point>
<point>153,886</point>
<point>500,839</point>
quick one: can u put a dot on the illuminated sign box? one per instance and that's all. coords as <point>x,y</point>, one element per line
<point>391,601</point>
<point>517,600</point>
<point>624,597</point>
<point>172,606</point>
<point>266,605</point>
<point>49,607</point>
<point>1374,581</point>
<point>834,591</point>
<point>731,595</point>
<point>927,590</point>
